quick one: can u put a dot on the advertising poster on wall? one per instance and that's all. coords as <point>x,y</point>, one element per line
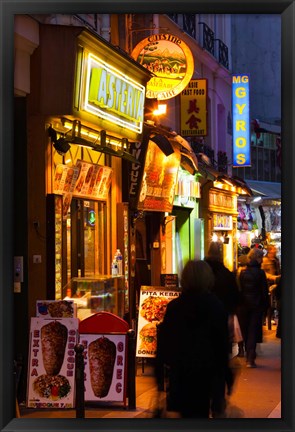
<point>159,180</point>
<point>152,307</point>
<point>51,377</point>
<point>105,367</point>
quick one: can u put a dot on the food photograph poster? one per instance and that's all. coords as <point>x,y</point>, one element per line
<point>105,367</point>
<point>152,307</point>
<point>51,377</point>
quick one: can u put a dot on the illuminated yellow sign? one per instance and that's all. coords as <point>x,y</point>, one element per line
<point>170,60</point>
<point>112,95</point>
<point>194,108</point>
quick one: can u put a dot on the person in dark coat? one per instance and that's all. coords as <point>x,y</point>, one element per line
<point>278,296</point>
<point>193,344</point>
<point>225,286</point>
<point>254,292</point>
<point>226,289</point>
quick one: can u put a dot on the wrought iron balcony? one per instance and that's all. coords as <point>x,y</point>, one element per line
<point>222,53</point>
<point>207,38</point>
<point>173,16</point>
<point>189,24</point>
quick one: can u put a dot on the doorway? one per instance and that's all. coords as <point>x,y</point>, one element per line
<point>84,234</point>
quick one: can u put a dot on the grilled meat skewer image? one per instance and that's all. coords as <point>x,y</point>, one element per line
<point>102,355</point>
<point>53,342</point>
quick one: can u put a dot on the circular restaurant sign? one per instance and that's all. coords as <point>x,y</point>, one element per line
<point>170,60</point>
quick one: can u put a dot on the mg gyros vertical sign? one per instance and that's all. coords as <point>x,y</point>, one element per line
<point>241,121</point>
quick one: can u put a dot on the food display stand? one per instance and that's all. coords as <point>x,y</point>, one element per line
<point>96,294</point>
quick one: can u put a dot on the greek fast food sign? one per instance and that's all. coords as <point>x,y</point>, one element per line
<point>112,95</point>
<point>241,121</point>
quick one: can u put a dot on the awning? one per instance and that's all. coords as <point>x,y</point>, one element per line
<point>268,190</point>
<point>208,172</point>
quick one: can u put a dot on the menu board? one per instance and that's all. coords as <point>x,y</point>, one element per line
<point>93,181</point>
<point>85,179</point>
<point>159,180</point>
<point>105,367</point>
<point>65,178</point>
<point>152,307</point>
<point>51,377</point>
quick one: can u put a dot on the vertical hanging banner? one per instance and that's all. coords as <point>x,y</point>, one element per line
<point>193,103</point>
<point>241,121</point>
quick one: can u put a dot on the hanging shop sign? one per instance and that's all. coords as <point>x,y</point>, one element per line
<point>112,95</point>
<point>51,377</point>
<point>193,102</point>
<point>170,60</point>
<point>222,202</point>
<point>159,180</point>
<point>241,121</point>
<point>152,307</point>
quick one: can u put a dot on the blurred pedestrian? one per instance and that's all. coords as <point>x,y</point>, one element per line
<point>226,289</point>
<point>193,344</point>
<point>278,295</point>
<point>242,263</point>
<point>225,286</point>
<point>271,266</point>
<point>254,293</point>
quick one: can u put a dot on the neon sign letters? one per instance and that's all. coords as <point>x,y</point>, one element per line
<point>241,123</point>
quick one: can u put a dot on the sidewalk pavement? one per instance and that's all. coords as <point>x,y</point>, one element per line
<point>256,393</point>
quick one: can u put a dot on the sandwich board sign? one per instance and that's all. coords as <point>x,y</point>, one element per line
<point>152,307</point>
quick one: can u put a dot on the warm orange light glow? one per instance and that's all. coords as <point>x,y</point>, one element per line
<point>162,109</point>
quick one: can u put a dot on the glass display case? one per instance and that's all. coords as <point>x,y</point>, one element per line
<point>96,294</point>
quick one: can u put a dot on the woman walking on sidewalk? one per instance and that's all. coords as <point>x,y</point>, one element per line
<point>254,292</point>
<point>193,344</point>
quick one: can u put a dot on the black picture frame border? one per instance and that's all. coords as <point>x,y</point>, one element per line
<point>7,10</point>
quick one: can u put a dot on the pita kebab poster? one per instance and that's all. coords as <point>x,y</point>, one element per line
<point>51,378</point>
<point>152,307</point>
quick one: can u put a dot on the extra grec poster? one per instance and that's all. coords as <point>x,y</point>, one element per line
<point>152,307</point>
<point>51,377</point>
<point>105,367</point>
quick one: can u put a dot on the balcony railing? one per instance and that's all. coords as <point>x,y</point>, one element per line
<point>189,24</point>
<point>173,16</point>
<point>207,38</point>
<point>222,53</point>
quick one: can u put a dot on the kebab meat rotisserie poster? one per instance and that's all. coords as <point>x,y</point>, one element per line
<point>105,367</point>
<point>152,307</point>
<point>51,377</point>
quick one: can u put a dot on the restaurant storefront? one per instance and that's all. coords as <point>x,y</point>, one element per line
<point>219,209</point>
<point>85,107</point>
